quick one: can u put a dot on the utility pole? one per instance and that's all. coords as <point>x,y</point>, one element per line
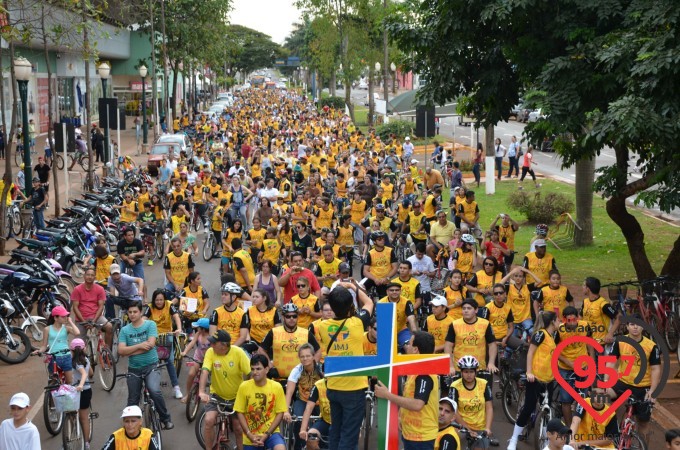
<point>386,61</point>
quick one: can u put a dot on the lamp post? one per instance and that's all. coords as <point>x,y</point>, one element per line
<point>145,124</point>
<point>394,77</point>
<point>104,71</point>
<point>22,72</point>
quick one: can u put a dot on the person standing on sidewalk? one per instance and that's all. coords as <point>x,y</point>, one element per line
<point>17,432</point>
<point>38,200</point>
<point>477,163</point>
<point>513,155</point>
<point>500,152</point>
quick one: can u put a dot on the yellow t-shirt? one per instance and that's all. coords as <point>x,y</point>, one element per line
<point>260,405</point>
<point>541,364</point>
<point>350,342</point>
<point>226,371</point>
<point>420,425</point>
<point>471,403</point>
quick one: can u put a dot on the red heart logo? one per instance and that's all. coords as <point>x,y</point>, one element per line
<point>600,416</point>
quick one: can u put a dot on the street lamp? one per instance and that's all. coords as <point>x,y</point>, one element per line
<point>22,72</point>
<point>145,124</point>
<point>104,71</point>
<point>393,67</point>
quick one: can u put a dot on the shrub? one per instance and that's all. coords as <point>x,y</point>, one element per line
<point>400,128</point>
<point>333,102</point>
<point>539,208</point>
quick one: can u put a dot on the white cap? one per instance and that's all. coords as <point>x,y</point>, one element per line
<point>414,161</point>
<point>439,301</point>
<point>539,243</point>
<point>115,268</point>
<point>407,138</point>
<point>20,399</point>
<point>451,402</point>
<point>131,411</point>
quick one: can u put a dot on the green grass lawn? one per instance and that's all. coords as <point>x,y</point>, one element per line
<point>607,259</point>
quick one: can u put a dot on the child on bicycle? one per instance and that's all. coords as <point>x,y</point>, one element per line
<point>200,341</point>
<point>82,373</point>
<point>55,341</point>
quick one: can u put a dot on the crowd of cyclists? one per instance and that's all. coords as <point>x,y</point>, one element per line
<point>314,222</point>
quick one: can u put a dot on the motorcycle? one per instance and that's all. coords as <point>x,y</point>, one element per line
<point>15,346</point>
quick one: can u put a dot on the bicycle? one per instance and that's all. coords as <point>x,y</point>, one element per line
<point>209,246</point>
<point>52,418</point>
<point>80,158</point>
<point>13,224</point>
<point>288,430</point>
<point>72,432</point>
<point>223,426</point>
<point>150,414</point>
<point>163,341</point>
<point>194,398</point>
<point>149,241</point>
<point>546,411</point>
<point>629,439</point>
<point>369,421</point>
<point>481,441</point>
<point>105,359</point>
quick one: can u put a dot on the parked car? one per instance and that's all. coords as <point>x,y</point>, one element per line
<point>158,152</point>
<point>535,115</point>
<point>363,84</point>
<point>180,139</point>
<point>520,113</point>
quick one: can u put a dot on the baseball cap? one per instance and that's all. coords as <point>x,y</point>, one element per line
<point>438,301</point>
<point>343,268</point>
<point>539,243</point>
<point>36,180</point>
<point>203,322</point>
<point>237,162</point>
<point>451,402</point>
<point>131,411</point>
<point>557,426</point>
<point>219,336</point>
<point>20,399</point>
<point>60,311</point>
<point>407,138</point>
<point>115,268</point>
<point>414,161</point>
<point>393,284</point>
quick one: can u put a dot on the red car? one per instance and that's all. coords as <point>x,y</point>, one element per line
<point>158,152</point>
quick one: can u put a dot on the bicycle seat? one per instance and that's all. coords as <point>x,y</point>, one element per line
<point>631,301</point>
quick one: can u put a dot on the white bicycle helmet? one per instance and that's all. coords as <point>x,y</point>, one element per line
<point>231,288</point>
<point>468,362</point>
<point>289,308</point>
<point>542,229</point>
<point>467,238</point>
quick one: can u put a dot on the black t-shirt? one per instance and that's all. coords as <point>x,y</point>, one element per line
<point>43,171</point>
<point>301,244</point>
<point>37,197</point>
<point>135,246</point>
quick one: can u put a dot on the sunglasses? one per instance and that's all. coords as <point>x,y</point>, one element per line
<point>488,264</point>
<point>301,286</point>
<point>290,316</point>
<point>499,293</point>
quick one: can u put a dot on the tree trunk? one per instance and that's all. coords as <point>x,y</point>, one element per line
<point>585,176</point>
<point>166,80</point>
<point>371,103</point>
<point>174,90</point>
<point>672,265</point>
<point>332,83</point>
<point>348,99</point>
<point>489,166</point>
<point>86,52</point>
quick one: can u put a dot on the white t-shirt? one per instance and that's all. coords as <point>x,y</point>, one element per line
<point>172,165</point>
<point>26,437</point>
<point>422,265</point>
<point>566,447</point>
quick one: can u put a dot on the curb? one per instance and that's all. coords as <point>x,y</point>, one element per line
<point>664,418</point>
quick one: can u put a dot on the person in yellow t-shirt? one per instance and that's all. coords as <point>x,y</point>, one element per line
<point>472,394</point>
<point>128,209</point>
<point>586,430</point>
<point>419,406</point>
<point>260,404</point>
<point>132,434</point>
<point>227,366</point>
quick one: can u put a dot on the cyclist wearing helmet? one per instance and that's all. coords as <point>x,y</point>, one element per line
<point>281,343</point>
<point>418,407</point>
<point>381,264</point>
<point>447,438</point>
<point>539,262</point>
<point>438,322</point>
<point>465,258</point>
<point>230,317</point>
<point>473,397</point>
<point>540,233</point>
<point>386,223</point>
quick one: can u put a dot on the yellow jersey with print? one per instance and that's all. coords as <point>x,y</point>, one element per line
<point>402,213</point>
<point>257,236</point>
<point>285,347</point>
<point>463,261</point>
<point>260,405</point>
<point>324,218</point>
<point>229,321</point>
<point>320,393</point>
<point>438,328</point>
<point>470,339</point>
<point>485,281</point>
<point>357,211</point>
<point>328,268</point>
<point>350,342</point>
<point>345,235</point>
<point>216,219</point>
<point>261,322</point>
<point>453,296</point>
<point>226,371</point>
<point>125,443</point>
<point>388,188</point>
<point>554,299</point>
<point>231,235</point>
<point>312,302</point>
<point>520,302</point>
<point>507,235</point>
<point>162,317</point>
<point>286,238</point>
<point>499,317</point>
<point>141,199</point>
<point>271,250</point>
<point>403,310</point>
<point>175,222</point>
<point>541,267</point>
<point>468,210</point>
<point>541,365</point>
<point>448,434</point>
<point>370,348</point>
<point>341,189</point>
<point>594,314</point>
<point>286,188</point>
<point>627,354</point>
<point>102,269</point>
<point>575,349</point>
<point>409,288</point>
<point>128,212</point>
<point>178,265</point>
<point>429,207</point>
<point>472,402</point>
<point>590,429</point>
<point>380,262</point>
<point>409,186</point>
<point>421,425</point>
<point>247,262</point>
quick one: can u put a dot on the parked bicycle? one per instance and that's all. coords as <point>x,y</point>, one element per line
<point>629,439</point>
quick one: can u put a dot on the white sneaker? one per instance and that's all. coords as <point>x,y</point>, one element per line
<point>178,393</point>
<point>512,444</point>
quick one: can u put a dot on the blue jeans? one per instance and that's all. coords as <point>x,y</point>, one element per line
<point>152,379</point>
<point>347,414</point>
<point>418,445</point>
<point>171,367</point>
<point>171,287</point>
<point>323,427</point>
<point>271,442</point>
<point>299,410</point>
<point>499,167</point>
<point>476,172</point>
<point>137,269</point>
<point>39,218</point>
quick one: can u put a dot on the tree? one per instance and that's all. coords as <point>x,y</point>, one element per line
<point>251,49</point>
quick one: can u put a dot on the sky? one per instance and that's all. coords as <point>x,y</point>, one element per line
<point>272,17</point>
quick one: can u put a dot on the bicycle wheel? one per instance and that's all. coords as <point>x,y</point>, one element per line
<point>16,347</point>
<point>159,246</point>
<point>672,332</point>
<point>541,430</point>
<point>193,403</point>
<point>368,422</point>
<point>107,369</point>
<point>71,434</point>
<point>18,156</point>
<point>152,421</point>
<point>177,359</point>
<point>59,161</point>
<point>208,247</point>
<point>90,417</point>
<point>53,419</point>
<point>198,429</point>
<point>512,400</point>
<point>84,162</point>
<point>633,441</point>
<point>114,343</point>
<point>16,223</point>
